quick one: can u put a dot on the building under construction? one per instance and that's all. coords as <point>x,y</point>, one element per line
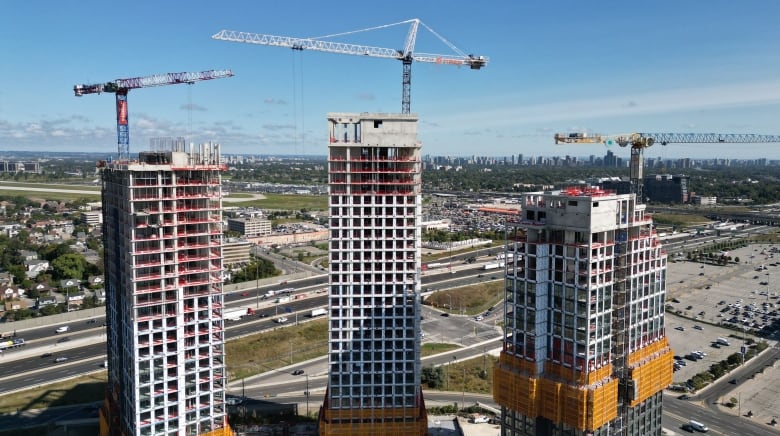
<point>162,231</point>
<point>374,267</point>
<point>585,351</point>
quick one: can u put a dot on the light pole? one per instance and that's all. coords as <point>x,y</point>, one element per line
<point>450,295</point>
<point>257,279</point>
<point>463,395</point>
<point>307,395</point>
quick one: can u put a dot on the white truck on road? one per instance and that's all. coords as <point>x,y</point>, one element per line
<point>237,313</point>
<point>318,312</point>
<point>495,265</point>
<point>696,425</point>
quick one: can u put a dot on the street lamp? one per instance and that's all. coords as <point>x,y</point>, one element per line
<point>257,279</point>
<point>463,395</point>
<point>307,395</point>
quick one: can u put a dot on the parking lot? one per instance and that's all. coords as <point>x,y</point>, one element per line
<point>743,295</point>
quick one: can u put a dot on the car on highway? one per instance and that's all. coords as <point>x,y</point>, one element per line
<point>60,359</point>
<point>297,372</point>
<point>91,321</point>
<point>262,315</point>
<point>281,320</point>
<point>478,318</point>
<point>445,314</point>
<point>62,329</point>
<point>45,355</point>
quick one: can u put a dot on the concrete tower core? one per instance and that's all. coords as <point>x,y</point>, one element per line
<point>162,230</point>
<point>585,350</point>
<point>374,171</point>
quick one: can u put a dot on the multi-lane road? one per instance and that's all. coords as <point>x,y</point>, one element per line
<point>88,357</point>
<point>84,346</point>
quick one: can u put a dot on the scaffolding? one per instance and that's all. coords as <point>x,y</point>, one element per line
<point>401,421</point>
<point>164,265</point>
<point>650,371</point>
<point>582,406</point>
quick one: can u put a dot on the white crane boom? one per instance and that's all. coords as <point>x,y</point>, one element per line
<point>406,55</point>
<point>639,141</point>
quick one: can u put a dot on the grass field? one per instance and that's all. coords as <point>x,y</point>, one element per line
<point>472,299</point>
<point>85,389</point>
<point>286,202</point>
<point>51,186</point>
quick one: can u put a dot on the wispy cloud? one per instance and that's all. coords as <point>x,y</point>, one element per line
<point>658,102</point>
<point>274,101</point>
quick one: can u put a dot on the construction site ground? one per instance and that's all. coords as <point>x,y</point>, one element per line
<point>704,293</point>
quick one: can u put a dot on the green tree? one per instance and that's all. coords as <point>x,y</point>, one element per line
<point>69,266</point>
<point>432,376</point>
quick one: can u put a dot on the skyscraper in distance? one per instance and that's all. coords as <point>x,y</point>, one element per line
<point>162,233</point>
<point>374,276</point>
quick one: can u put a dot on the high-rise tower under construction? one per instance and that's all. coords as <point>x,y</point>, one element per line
<point>162,231</point>
<point>585,351</point>
<point>375,208</point>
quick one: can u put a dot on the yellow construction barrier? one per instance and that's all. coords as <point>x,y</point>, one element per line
<point>224,431</point>
<point>372,422</point>
<point>513,388</point>
<point>555,397</point>
<point>652,376</point>
<point>648,351</point>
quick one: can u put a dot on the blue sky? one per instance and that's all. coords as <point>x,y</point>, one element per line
<point>555,66</point>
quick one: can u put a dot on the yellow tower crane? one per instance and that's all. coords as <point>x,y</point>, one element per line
<point>640,141</point>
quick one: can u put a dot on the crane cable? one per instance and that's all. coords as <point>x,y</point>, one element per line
<point>295,77</point>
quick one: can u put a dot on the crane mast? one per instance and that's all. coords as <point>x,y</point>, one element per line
<point>406,55</point>
<point>120,88</point>
<point>639,141</point>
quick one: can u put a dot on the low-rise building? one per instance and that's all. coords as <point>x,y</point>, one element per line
<point>250,227</point>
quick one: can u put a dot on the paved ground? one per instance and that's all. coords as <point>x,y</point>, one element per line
<point>729,284</point>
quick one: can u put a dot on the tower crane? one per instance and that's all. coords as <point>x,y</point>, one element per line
<point>640,141</point>
<point>406,55</point>
<point>120,87</point>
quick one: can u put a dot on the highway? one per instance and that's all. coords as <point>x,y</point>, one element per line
<point>276,386</point>
<point>84,343</point>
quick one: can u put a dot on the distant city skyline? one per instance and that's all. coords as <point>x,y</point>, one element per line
<point>558,66</point>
